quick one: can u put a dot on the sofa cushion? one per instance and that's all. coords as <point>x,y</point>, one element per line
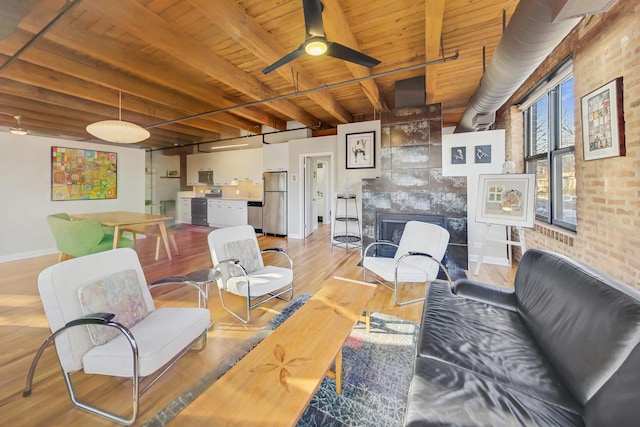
<point>441,394</point>
<point>617,403</point>
<point>490,341</point>
<point>585,322</point>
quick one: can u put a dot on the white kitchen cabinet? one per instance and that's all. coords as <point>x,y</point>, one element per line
<point>226,213</point>
<point>275,157</point>
<point>183,213</point>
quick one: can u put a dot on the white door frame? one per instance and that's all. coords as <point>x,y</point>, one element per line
<point>303,190</point>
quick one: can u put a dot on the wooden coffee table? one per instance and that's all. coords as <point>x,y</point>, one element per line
<point>274,383</point>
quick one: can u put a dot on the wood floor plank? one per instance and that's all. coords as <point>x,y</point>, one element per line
<point>23,326</point>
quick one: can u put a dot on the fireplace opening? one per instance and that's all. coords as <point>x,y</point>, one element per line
<point>390,226</point>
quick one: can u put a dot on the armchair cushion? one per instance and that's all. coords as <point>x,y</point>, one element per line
<point>267,279</point>
<point>246,251</point>
<point>176,325</point>
<point>117,293</point>
<point>386,268</point>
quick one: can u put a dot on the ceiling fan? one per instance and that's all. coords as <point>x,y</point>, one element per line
<point>317,44</point>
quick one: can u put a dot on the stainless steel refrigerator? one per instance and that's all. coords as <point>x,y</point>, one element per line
<point>274,203</point>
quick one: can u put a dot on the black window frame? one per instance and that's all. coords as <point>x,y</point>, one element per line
<point>550,88</point>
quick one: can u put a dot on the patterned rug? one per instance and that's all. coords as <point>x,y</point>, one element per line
<point>377,369</point>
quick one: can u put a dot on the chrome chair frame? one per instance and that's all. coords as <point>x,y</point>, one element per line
<point>395,283</point>
<point>260,299</point>
<point>137,381</point>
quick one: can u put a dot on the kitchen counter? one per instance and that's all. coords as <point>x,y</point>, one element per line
<point>222,198</point>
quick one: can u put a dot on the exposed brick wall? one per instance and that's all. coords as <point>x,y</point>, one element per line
<point>603,48</point>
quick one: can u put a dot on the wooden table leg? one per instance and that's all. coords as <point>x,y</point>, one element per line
<point>165,240</point>
<point>116,236</point>
<point>336,373</point>
<point>339,372</point>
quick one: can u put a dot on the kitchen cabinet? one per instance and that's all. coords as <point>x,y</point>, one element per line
<point>183,207</point>
<point>275,157</point>
<point>226,165</point>
<point>226,213</point>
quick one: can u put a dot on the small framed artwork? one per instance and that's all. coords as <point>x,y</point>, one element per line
<point>603,122</point>
<point>506,199</point>
<point>482,153</point>
<point>458,155</point>
<point>361,150</point>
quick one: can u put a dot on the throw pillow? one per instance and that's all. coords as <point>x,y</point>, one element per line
<point>245,251</point>
<point>119,294</point>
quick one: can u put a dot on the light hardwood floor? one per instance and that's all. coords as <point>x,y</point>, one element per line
<point>23,326</point>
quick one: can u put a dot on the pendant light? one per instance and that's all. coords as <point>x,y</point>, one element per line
<point>17,130</point>
<point>118,130</point>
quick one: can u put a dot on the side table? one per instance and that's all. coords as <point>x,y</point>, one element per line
<point>203,279</point>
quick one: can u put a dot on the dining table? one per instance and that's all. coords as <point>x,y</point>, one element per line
<point>121,220</point>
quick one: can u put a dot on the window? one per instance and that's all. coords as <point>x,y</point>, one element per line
<point>550,148</point>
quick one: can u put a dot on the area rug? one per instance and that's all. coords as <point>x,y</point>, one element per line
<point>377,369</point>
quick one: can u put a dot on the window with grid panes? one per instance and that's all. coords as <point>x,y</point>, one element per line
<point>550,149</point>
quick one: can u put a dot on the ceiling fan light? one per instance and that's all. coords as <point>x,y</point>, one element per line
<point>118,131</point>
<point>18,131</point>
<point>316,47</point>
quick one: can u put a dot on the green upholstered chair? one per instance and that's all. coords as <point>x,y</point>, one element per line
<point>78,238</point>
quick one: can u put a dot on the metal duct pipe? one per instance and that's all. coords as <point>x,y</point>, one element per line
<point>529,38</point>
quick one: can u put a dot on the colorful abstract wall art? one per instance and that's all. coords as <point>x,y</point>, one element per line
<point>83,174</point>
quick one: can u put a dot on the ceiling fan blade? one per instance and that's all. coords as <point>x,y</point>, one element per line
<point>345,53</point>
<point>285,59</point>
<point>313,17</point>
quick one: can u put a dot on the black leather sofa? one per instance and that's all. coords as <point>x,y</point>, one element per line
<point>561,349</point>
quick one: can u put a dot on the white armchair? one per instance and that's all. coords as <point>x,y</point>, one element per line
<point>103,321</point>
<point>236,254</point>
<point>417,259</point>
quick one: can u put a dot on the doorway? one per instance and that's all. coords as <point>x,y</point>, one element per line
<point>316,192</point>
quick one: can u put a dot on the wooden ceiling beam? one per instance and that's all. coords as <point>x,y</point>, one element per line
<point>133,62</point>
<point>338,30</point>
<point>27,73</point>
<point>434,17</point>
<point>57,58</point>
<point>229,15</point>
<point>146,25</point>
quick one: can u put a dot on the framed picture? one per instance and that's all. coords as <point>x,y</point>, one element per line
<point>482,153</point>
<point>458,155</point>
<point>603,122</point>
<point>361,150</point>
<point>83,174</point>
<point>506,199</point>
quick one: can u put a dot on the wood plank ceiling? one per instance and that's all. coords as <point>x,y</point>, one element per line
<point>187,69</point>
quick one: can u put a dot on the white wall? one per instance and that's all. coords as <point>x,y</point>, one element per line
<point>298,149</point>
<point>25,186</point>
<point>340,175</point>
<point>496,253</point>
<point>354,177</point>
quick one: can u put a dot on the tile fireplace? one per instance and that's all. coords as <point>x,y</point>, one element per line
<point>411,185</point>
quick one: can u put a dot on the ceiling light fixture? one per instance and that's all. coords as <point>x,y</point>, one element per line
<point>18,130</point>
<point>117,130</point>
<point>316,46</point>
<point>227,146</point>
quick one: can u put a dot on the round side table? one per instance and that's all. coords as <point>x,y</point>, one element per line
<point>203,279</point>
